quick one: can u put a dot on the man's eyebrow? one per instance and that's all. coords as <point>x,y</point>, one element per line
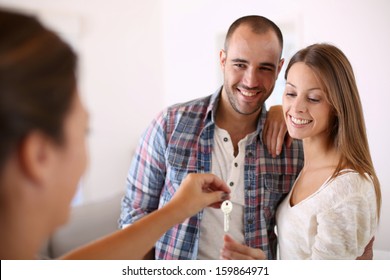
<point>240,60</point>
<point>268,64</point>
<point>263,64</point>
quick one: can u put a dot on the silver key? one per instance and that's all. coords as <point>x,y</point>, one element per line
<point>226,207</point>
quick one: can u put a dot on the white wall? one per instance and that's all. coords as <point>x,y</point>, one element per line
<point>139,56</point>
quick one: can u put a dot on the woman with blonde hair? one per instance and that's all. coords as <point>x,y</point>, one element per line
<point>333,209</point>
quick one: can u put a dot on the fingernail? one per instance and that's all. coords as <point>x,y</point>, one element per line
<point>224,196</point>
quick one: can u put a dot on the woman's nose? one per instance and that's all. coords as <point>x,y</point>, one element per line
<point>299,105</point>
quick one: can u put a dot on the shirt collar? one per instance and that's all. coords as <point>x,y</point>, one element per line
<point>212,108</point>
<point>260,123</point>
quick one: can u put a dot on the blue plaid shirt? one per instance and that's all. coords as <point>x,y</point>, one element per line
<point>180,141</point>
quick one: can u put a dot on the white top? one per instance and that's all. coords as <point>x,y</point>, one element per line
<point>335,222</point>
<point>231,170</point>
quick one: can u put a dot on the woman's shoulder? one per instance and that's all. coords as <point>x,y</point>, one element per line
<point>351,174</point>
<point>350,182</point>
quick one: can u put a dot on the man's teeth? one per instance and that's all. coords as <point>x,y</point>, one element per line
<point>247,93</point>
<point>299,121</point>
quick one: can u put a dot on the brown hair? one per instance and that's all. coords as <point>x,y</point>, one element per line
<point>259,25</point>
<point>37,81</point>
<point>347,130</point>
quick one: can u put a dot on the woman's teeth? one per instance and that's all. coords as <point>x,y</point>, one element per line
<point>300,121</point>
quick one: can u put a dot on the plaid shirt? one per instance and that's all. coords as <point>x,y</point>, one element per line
<point>179,141</point>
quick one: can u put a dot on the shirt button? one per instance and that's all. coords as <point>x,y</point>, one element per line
<point>231,184</point>
<point>225,139</point>
<point>235,164</point>
<point>250,221</point>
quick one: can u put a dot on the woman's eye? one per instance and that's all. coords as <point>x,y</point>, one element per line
<point>291,94</point>
<point>314,100</point>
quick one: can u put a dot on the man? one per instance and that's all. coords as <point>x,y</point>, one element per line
<point>220,134</point>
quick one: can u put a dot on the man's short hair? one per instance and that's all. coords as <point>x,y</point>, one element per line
<point>258,24</point>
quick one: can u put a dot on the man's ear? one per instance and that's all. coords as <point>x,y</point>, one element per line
<point>222,58</point>
<point>280,65</point>
<point>35,156</point>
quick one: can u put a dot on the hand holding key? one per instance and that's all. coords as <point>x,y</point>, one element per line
<point>196,192</point>
<point>226,207</point>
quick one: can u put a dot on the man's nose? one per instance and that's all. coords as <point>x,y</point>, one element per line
<point>251,78</point>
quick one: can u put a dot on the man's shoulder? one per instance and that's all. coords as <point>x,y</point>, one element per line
<point>192,111</point>
<point>202,102</point>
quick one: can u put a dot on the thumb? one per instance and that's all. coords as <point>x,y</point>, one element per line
<point>227,238</point>
<point>214,199</point>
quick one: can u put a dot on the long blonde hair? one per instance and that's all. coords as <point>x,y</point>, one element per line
<point>347,129</point>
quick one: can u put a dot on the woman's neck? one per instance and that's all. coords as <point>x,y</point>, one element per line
<point>319,154</point>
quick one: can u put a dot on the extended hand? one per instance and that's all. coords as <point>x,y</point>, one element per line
<point>198,191</point>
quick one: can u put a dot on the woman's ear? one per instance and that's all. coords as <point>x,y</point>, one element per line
<point>36,154</point>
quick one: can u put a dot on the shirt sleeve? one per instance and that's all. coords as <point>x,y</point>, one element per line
<point>344,230</point>
<point>146,175</point>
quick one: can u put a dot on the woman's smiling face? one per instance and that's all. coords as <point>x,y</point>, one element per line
<point>305,106</point>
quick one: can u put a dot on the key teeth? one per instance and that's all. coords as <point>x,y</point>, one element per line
<point>226,223</point>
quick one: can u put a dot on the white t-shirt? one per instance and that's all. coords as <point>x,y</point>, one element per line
<point>335,222</point>
<point>231,170</point>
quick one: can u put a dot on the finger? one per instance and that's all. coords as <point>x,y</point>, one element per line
<point>268,137</point>
<point>254,254</point>
<point>274,139</point>
<point>280,140</point>
<point>265,131</point>
<point>215,199</point>
<point>207,182</point>
<point>214,183</point>
<point>231,250</point>
<point>227,238</point>
<point>235,250</point>
<point>289,140</point>
<point>230,243</point>
<point>224,196</point>
<point>231,255</point>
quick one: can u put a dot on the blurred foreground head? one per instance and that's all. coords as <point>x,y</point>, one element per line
<point>37,81</point>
